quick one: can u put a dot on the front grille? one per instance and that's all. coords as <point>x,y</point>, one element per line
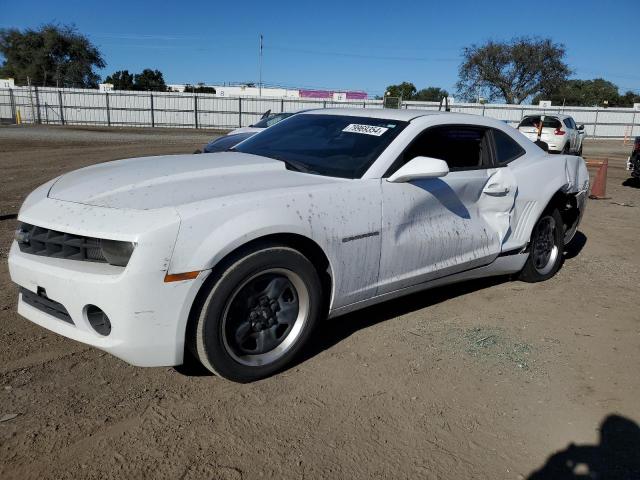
<point>51,243</point>
<point>46,305</point>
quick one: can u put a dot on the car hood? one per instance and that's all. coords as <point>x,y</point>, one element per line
<point>170,181</point>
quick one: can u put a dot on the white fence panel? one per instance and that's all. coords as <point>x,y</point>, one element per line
<point>173,109</point>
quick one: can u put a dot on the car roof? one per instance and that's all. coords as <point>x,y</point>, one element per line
<point>407,115</point>
<point>559,116</point>
<point>385,113</point>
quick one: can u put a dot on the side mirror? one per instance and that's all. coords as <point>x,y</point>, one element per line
<point>418,168</point>
<point>581,127</point>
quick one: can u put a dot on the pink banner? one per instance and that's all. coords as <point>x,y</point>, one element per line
<point>316,94</point>
<point>328,94</point>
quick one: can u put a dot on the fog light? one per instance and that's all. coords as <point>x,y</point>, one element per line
<point>98,320</point>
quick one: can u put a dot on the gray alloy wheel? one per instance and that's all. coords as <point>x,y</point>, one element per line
<point>546,246</point>
<point>544,251</point>
<point>256,312</point>
<point>264,316</point>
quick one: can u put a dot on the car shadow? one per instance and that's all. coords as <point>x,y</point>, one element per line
<point>617,456</point>
<point>9,216</point>
<point>631,182</point>
<point>445,195</point>
<point>575,246</point>
<point>192,367</point>
<point>335,330</point>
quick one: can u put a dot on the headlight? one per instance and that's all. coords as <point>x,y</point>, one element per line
<point>116,252</point>
<point>52,243</point>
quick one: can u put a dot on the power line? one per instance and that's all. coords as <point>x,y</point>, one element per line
<point>359,55</point>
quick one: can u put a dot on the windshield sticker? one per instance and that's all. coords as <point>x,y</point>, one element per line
<point>365,129</point>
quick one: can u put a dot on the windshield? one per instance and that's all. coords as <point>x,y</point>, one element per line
<point>332,145</point>
<point>271,120</point>
<point>221,144</point>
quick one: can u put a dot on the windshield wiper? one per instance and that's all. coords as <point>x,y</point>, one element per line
<point>297,166</point>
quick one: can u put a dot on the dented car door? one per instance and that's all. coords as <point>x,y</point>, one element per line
<point>439,226</point>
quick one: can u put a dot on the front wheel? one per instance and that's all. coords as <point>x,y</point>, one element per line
<point>545,248</point>
<point>257,314</point>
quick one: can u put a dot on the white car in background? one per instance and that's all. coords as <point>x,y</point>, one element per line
<point>237,256</point>
<point>559,132</point>
<point>268,119</point>
<point>234,137</point>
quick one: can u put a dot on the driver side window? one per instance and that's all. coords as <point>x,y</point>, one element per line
<point>462,147</point>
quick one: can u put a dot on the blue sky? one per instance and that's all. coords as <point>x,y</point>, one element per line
<point>338,44</point>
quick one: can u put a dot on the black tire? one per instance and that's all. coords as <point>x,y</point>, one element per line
<point>566,150</point>
<point>536,269</point>
<point>237,325</point>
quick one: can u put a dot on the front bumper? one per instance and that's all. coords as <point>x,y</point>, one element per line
<point>148,316</point>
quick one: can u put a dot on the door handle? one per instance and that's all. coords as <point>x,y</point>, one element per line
<point>496,190</point>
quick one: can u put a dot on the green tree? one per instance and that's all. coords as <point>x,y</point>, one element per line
<point>149,80</point>
<point>629,98</point>
<point>406,90</point>
<point>582,93</point>
<point>430,94</point>
<point>513,71</point>
<point>121,80</point>
<point>200,88</point>
<point>49,56</point>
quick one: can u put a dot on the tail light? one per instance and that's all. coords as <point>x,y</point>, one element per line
<point>559,132</point>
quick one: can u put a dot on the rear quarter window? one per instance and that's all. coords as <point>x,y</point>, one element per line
<point>507,149</point>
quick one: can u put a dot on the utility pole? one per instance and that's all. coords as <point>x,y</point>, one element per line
<point>33,111</point>
<point>260,68</point>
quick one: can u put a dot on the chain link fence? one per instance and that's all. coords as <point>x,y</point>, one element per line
<point>187,110</point>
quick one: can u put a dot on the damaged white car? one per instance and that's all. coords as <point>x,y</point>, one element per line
<point>236,256</point>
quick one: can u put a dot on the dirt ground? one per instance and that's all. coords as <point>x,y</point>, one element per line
<point>483,380</point>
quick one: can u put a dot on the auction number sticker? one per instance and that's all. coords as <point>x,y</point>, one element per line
<point>365,129</point>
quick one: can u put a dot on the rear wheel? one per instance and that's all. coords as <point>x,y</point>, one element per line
<point>257,314</point>
<point>545,248</point>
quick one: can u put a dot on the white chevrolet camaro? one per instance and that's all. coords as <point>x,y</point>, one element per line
<point>236,256</point>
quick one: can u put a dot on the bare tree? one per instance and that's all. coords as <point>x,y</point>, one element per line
<point>513,70</point>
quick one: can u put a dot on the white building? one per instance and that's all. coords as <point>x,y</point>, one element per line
<point>253,91</point>
<point>7,83</point>
<point>176,87</point>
